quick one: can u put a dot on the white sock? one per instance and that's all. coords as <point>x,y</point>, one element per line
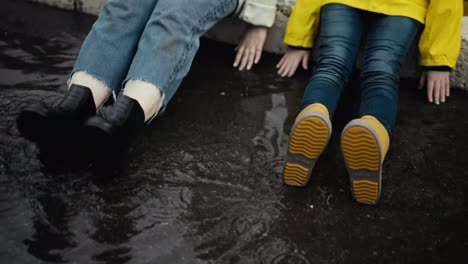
<point>148,96</point>
<point>99,89</point>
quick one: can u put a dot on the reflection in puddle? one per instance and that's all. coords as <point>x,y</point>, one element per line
<point>272,137</point>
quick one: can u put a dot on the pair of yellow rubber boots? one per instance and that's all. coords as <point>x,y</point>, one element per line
<point>364,144</point>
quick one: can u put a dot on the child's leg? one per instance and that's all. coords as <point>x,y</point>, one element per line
<point>388,41</point>
<point>340,35</point>
<point>168,46</point>
<point>365,141</point>
<point>110,46</point>
<point>339,39</point>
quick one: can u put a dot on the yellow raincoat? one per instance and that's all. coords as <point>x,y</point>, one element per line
<point>440,41</point>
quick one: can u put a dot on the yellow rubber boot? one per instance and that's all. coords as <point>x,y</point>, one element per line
<point>308,138</point>
<point>364,143</point>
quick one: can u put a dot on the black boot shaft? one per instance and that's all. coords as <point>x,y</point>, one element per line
<point>128,115</point>
<point>79,100</point>
<point>42,123</point>
<point>109,138</point>
<point>57,130</point>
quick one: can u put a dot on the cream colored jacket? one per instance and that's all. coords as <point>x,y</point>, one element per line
<point>257,12</point>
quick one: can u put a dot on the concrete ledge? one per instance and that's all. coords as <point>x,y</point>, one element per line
<point>274,42</point>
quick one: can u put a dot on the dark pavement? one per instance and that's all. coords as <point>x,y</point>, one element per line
<point>204,184</point>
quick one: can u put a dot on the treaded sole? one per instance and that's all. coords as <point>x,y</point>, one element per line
<point>361,151</point>
<point>308,139</point>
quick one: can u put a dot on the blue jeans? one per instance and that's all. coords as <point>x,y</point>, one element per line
<point>388,40</point>
<point>149,40</point>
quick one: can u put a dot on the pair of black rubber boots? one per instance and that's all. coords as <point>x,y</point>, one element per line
<point>71,135</point>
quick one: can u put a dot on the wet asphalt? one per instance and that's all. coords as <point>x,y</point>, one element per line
<point>203,182</point>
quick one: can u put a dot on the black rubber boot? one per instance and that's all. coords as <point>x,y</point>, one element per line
<point>109,138</point>
<point>57,129</point>
<point>41,123</point>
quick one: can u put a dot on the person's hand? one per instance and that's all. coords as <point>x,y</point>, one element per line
<point>438,85</point>
<point>291,60</point>
<point>250,48</point>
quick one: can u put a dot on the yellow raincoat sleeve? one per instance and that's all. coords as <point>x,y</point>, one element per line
<point>303,24</point>
<point>440,41</point>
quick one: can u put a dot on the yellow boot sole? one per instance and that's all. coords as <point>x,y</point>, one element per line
<point>308,138</point>
<point>362,154</point>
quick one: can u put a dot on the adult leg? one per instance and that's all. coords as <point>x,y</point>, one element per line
<point>101,66</point>
<point>165,53</point>
<point>109,48</point>
<point>365,141</point>
<point>339,38</point>
<point>167,48</point>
